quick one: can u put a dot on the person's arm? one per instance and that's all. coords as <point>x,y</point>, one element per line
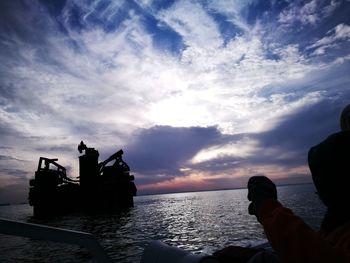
<point>293,240</point>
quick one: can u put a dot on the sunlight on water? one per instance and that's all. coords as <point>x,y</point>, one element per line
<point>198,222</point>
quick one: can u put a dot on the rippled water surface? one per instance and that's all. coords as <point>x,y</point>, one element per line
<point>198,222</point>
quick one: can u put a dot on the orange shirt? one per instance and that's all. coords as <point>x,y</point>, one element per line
<point>294,241</point>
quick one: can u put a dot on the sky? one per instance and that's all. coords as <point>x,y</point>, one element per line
<point>200,95</point>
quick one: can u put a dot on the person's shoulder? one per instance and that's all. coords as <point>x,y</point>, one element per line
<point>334,141</point>
<point>339,135</point>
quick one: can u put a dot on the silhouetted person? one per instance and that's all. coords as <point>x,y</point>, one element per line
<point>291,238</point>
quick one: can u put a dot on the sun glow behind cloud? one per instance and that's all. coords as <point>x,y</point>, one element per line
<point>244,148</point>
<point>109,71</point>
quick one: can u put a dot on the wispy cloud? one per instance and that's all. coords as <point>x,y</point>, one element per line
<point>334,39</point>
<point>307,12</point>
<point>193,23</point>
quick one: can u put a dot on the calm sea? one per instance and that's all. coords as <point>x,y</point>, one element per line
<point>198,222</point>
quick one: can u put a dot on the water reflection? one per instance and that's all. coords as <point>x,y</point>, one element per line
<point>199,222</point>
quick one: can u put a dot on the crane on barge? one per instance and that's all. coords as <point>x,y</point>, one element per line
<point>100,187</point>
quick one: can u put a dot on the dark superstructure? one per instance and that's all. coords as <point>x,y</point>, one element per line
<point>100,187</point>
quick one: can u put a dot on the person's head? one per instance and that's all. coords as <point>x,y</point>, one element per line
<point>345,118</point>
<point>329,164</point>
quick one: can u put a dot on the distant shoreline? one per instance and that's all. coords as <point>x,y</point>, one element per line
<point>222,189</point>
<point>179,192</point>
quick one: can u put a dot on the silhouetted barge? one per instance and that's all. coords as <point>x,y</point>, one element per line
<point>99,187</point>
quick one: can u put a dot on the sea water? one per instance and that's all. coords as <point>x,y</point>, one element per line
<point>200,222</point>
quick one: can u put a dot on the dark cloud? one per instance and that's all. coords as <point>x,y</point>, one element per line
<point>164,149</point>
<point>299,131</point>
<point>291,139</point>
<point>287,144</point>
<point>305,127</point>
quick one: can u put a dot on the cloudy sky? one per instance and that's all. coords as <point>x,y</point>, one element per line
<point>198,94</point>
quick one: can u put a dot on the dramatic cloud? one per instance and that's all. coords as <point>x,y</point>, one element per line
<point>199,94</point>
